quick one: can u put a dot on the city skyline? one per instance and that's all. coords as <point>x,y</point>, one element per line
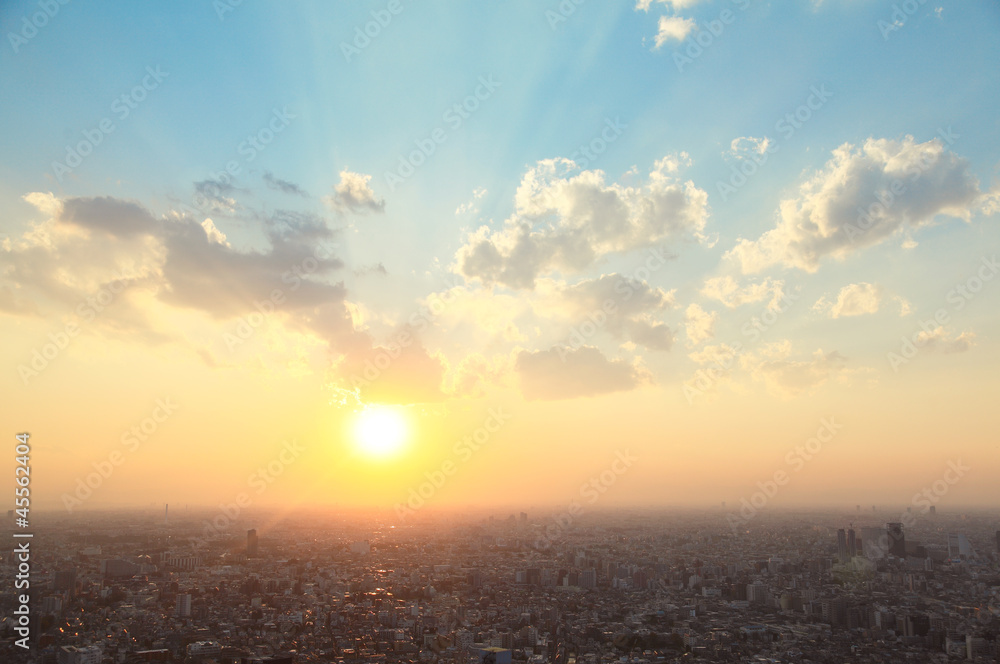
<point>600,254</point>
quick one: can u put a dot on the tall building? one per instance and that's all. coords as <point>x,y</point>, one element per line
<point>897,541</point>
<point>852,543</point>
<point>959,546</point>
<point>183,608</point>
<point>998,541</point>
<point>842,545</point>
<point>252,543</point>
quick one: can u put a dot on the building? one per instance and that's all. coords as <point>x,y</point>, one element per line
<point>976,647</point>
<point>494,655</point>
<point>757,593</point>
<point>959,547</point>
<point>852,543</point>
<point>118,568</point>
<point>183,562</point>
<point>842,545</point>
<point>183,608</point>
<point>52,604</point>
<point>76,655</point>
<point>65,581</point>
<point>204,648</point>
<point>897,541</point>
<point>362,548</point>
<point>252,543</point>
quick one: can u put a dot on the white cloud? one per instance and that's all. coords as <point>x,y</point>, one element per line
<point>673,27</point>
<point>852,300</point>
<point>644,5</point>
<point>728,291</point>
<point>939,339</point>
<point>213,233</point>
<point>699,324</point>
<point>837,210</point>
<point>567,223</point>
<point>783,376</point>
<point>470,206</point>
<point>747,147</point>
<point>354,194</point>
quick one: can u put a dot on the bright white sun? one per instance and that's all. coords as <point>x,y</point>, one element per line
<point>380,431</point>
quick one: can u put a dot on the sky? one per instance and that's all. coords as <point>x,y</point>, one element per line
<point>426,255</point>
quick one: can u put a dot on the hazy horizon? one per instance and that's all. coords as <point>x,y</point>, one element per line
<point>642,253</point>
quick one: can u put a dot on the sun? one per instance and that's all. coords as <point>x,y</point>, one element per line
<point>380,431</point>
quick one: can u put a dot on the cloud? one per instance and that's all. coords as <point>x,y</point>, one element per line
<point>283,186</point>
<point>567,223</point>
<point>215,196</point>
<point>747,147</point>
<point>852,300</point>
<point>471,205</point>
<point>643,5</point>
<point>109,215</point>
<point>673,27</point>
<point>214,234</point>
<point>354,194</point>
<point>475,374</point>
<point>939,339</point>
<point>699,324</point>
<point>772,365</point>
<point>626,307</point>
<point>838,209</point>
<point>728,291</point>
<point>179,262</point>
<point>378,269</point>
<point>567,374</point>
<point>392,373</point>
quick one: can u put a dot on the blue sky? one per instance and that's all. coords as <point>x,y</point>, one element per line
<point>559,83</point>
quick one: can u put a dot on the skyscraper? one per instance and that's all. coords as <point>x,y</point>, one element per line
<point>252,543</point>
<point>897,542</point>
<point>842,545</point>
<point>852,543</point>
<point>183,608</point>
<point>959,546</point>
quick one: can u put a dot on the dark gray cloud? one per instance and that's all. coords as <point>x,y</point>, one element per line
<point>283,186</point>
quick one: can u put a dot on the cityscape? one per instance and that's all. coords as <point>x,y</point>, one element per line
<point>637,586</point>
<point>509,332</point>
